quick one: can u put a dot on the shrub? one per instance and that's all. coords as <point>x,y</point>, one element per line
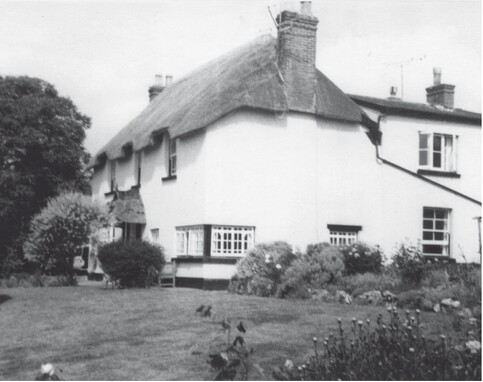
<point>60,228</point>
<point>132,263</point>
<point>362,258</point>
<point>410,263</point>
<point>392,349</point>
<point>259,273</point>
<point>321,265</point>
<point>360,283</point>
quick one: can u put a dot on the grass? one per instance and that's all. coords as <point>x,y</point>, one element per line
<point>154,334</point>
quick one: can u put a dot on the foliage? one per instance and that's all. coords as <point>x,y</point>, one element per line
<point>233,361</point>
<point>409,262</point>
<point>60,228</point>
<point>24,280</point>
<point>41,153</point>
<point>360,283</point>
<point>322,264</point>
<point>133,263</point>
<point>362,258</point>
<point>260,272</point>
<point>392,349</point>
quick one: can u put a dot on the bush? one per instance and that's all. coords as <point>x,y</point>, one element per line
<point>362,258</point>
<point>132,263</point>
<point>60,228</point>
<point>321,265</point>
<point>358,284</point>
<point>410,263</point>
<point>391,349</point>
<point>259,273</point>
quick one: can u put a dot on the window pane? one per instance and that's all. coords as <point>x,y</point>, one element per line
<point>439,236</point>
<point>423,141</point>
<point>428,213</point>
<point>437,143</point>
<point>440,214</point>
<point>428,224</point>
<point>423,157</point>
<point>440,224</point>
<point>433,249</point>
<point>427,235</point>
<point>436,159</point>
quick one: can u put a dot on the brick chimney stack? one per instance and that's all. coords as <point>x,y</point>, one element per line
<point>439,94</point>
<point>157,87</point>
<point>297,37</point>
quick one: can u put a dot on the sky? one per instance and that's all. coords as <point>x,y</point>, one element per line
<point>104,54</point>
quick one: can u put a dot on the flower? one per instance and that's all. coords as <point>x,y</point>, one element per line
<point>267,261</point>
<point>411,350</point>
<point>47,369</point>
<point>315,339</point>
<point>356,255</point>
<point>278,266</point>
<point>289,364</point>
<point>474,346</point>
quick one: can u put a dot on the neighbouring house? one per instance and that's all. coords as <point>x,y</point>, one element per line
<point>258,145</point>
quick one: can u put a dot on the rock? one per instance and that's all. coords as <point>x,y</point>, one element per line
<point>467,313</point>
<point>437,308</point>
<point>374,297</point>
<point>343,297</point>
<point>450,303</point>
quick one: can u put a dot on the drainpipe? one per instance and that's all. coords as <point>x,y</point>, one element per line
<point>478,219</point>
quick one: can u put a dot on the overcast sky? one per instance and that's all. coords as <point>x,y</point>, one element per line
<point>104,54</point>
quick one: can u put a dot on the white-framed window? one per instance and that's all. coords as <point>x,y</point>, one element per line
<point>112,174</point>
<point>155,235</point>
<point>172,158</point>
<point>190,241</point>
<point>436,231</point>
<point>231,241</point>
<point>137,167</point>
<point>437,151</point>
<point>340,235</point>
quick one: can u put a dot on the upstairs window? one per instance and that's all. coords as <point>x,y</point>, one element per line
<point>155,235</point>
<point>137,167</point>
<point>172,158</point>
<point>437,151</point>
<point>341,235</point>
<point>436,231</point>
<point>112,174</point>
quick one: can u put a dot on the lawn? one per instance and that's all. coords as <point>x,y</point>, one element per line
<point>154,334</point>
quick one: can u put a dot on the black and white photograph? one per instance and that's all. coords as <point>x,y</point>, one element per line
<point>240,190</point>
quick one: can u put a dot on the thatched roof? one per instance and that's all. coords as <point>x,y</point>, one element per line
<point>247,77</point>
<point>398,107</point>
<point>128,207</point>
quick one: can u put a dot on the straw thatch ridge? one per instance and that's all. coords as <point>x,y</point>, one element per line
<point>247,77</point>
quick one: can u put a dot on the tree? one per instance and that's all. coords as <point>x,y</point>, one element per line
<point>41,154</point>
<point>67,222</point>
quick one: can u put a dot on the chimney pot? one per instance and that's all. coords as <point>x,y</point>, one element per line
<point>157,87</point>
<point>393,90</point>
<point>437,76</point>
<point>169,80</point>
<point>306,8</point>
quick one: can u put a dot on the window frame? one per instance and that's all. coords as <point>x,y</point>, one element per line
<point>172,157</point>
<point>448,161</point>
<point>137,167</point>
<point>232,240</point>
<point>341,235</point>
<point>155,235</point>
<point>112,174</point>
<point>445,243</point>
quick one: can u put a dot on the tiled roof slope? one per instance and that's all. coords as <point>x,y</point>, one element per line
<point>421,110</point>
<point>247,77</point>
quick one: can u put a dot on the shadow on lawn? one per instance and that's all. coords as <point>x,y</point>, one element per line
<point>4,298</point>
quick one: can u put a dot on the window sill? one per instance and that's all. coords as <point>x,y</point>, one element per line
<point>444,174</point>
<point>137,186</point>
<point>110,193</point>
<point>168,178</point>
<point>439,258</point>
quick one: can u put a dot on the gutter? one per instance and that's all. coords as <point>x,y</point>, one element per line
<point>416,175</point>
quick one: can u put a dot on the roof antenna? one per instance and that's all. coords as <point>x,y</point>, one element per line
<point>269,11</point>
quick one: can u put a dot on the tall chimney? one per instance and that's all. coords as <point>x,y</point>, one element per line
<point>439,94</point>
<point>297,35</point>
<point>157,87</point>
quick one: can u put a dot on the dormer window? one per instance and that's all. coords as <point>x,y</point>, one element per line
<point>172,157</point>
<point>112,174</point>
<point>437,151</point>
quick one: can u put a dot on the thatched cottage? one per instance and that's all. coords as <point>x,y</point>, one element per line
<point>259,145</point>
